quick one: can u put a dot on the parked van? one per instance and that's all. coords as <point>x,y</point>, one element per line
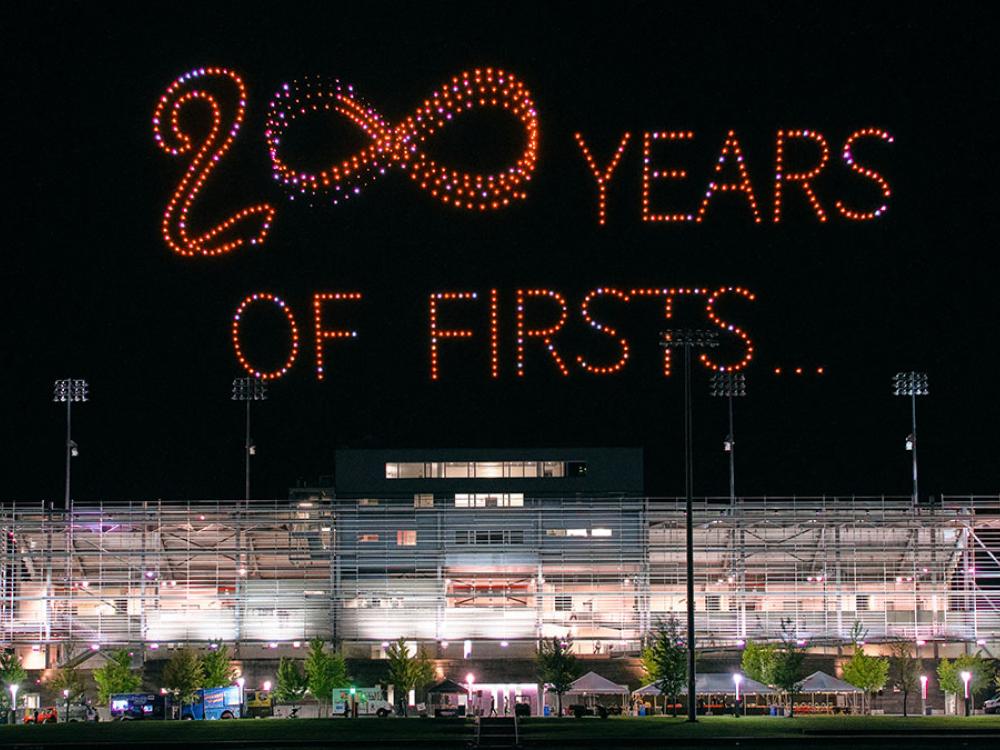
<point>370,702</point>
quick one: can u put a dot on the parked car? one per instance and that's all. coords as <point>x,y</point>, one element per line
<point>992,706</point>
<point>47,715</point>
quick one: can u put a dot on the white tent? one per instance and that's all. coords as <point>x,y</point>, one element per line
<point>821,682</point>
<point>714,683</point>
<point>592,683</point>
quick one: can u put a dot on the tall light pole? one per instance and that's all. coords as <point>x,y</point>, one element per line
<point>248,389</point>
<point>911,384</point>
<point>69,390</point>
<point>687,339</point>
<point>730,385</point>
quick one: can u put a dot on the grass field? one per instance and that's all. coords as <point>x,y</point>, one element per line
<point>555,733</point>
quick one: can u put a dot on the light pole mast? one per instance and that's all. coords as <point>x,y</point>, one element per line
<point>912,384</point>
<point>686,339</point>
<point>730,385</point>
<point>68,391</point>
<point>248,389</point>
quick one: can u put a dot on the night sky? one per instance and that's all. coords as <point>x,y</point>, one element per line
<point>92,291</point>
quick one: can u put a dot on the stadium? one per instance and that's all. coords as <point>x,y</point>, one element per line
<point>479,554</point>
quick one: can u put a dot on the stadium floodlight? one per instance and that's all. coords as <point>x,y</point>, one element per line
<point>688,339</point>
<point>730,385</point>
<point>911,384</point>
<point>70,391</point>
<point>247,390</point>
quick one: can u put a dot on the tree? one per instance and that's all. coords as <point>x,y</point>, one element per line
<point>407,672</point>
<point>866,672</point>
<point>217,669</point>
<point>557,667</point>
<point>291,684</point>
<point>665,660</point>
<point>423,670</point>
<point>758,661</point>
<point>116,676</point>
<point>183,674</point>
<point>905,669</point>
<point>11,672</point>
<point>69,679</point>
<point>324,672</point>
<point>950,674</point>
<point>787,672</point>
<point>401,673</point>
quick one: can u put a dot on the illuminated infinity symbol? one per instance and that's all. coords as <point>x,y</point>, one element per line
<point>400,145</point>
<point>250,224</point>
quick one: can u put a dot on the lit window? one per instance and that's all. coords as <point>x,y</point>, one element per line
<point>489,500</point>
<point>553,469</point>
<point>365,538</point>
<point>576,532</point>
<point>406,538</point>
<point>456,470</point>
<point>423,501</point>
<point>600,532</point>
<point>488,469</point>
<point>555,532</point>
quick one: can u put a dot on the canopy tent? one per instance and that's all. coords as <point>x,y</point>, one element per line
<point>713,683</point>
<point>821,682</point>
<point>828,694</point>
<point>448,698</point>
<point>447,686</point>
<point>592,683</point>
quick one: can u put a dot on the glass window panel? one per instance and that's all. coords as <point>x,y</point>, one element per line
<point>411,471</point>
<point>406,538</point>
<point>516,500</point>
<point>553,469</point>
<point>456,470</point>
<point>530,469</point>
<point>488,469</point>
<point>392,471</point>
<point>462,500</point>
<point>600,532</point>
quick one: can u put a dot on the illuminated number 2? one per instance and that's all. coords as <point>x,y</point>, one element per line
<point>248,225</point>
